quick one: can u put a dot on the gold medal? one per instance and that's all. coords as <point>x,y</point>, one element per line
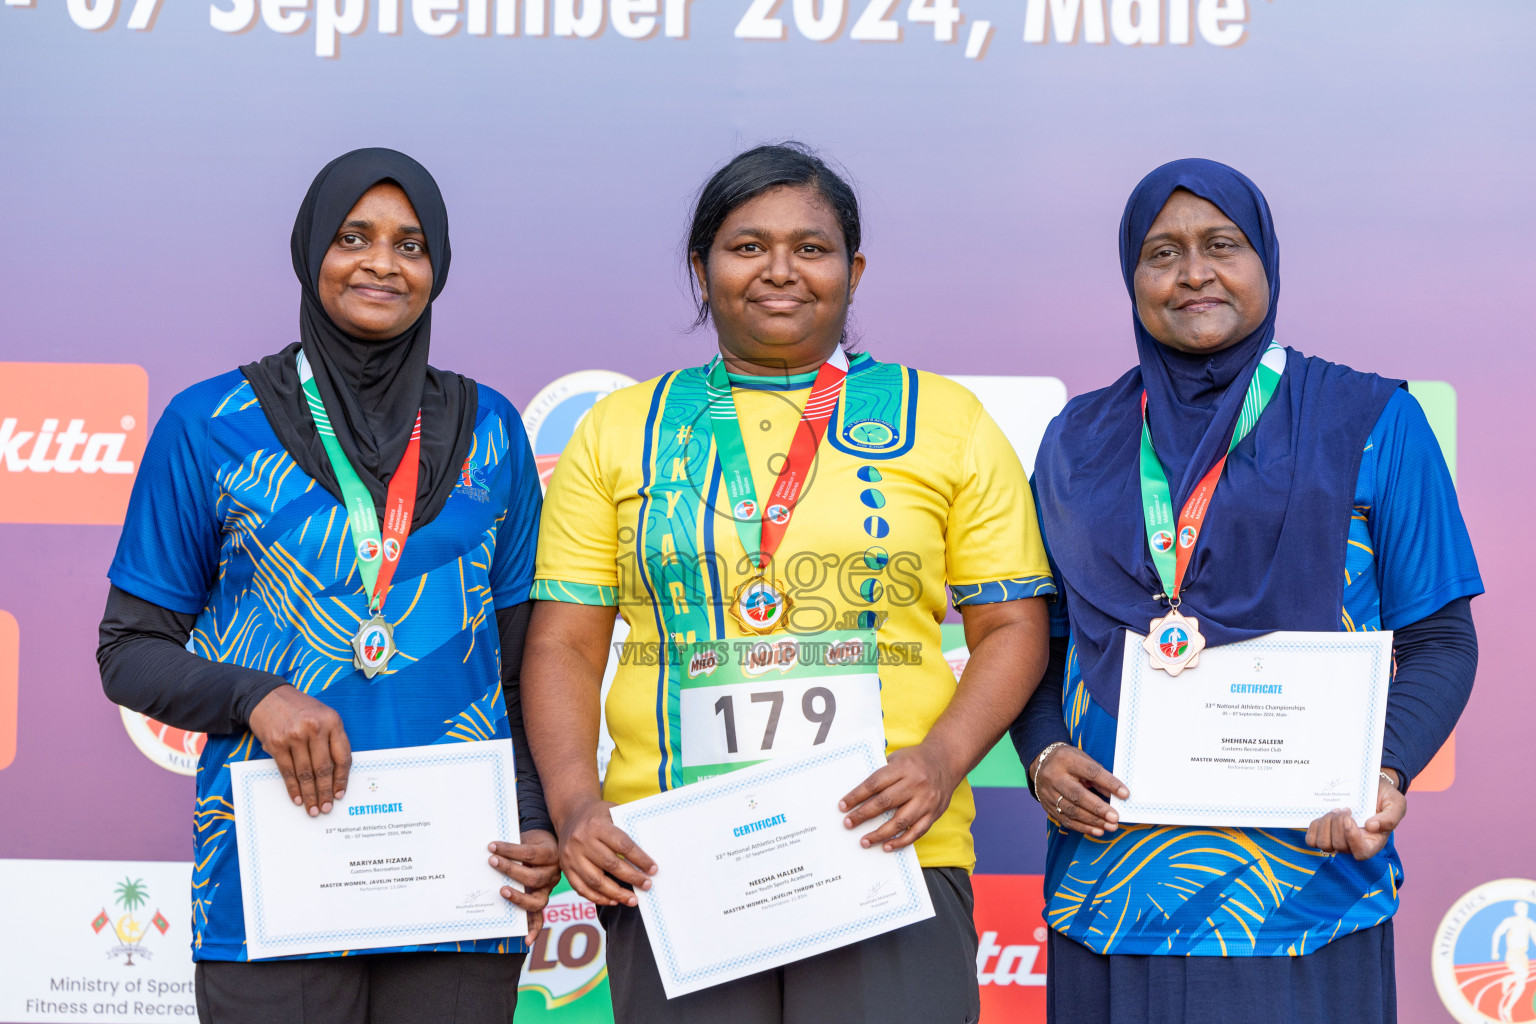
<point>373,646</point>
<point>759,605</point>
<point>1174,643</point>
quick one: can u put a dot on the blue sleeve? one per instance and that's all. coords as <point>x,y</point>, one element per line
<point>517,539</point>
<point>168,552</point>
<point>1423,554</point>
<point>1041,723</point>
<point>1056,609</point>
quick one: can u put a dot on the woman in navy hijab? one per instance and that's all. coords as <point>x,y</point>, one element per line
<point>1334,511</point>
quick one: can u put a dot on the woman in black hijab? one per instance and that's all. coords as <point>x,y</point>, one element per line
<point>376,376</point>
<point>333,548</point>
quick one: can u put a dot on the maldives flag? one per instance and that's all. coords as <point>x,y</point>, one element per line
<point>102,920</point>
<point>160,922</point>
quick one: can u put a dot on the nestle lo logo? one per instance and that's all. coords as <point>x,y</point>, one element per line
<point>71,438</point>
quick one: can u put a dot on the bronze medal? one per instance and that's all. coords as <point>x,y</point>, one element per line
<point>1174,643</point>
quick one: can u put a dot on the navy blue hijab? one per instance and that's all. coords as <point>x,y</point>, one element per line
<point>1271,552</point>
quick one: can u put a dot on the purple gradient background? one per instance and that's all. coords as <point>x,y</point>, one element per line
<point>150,180</point>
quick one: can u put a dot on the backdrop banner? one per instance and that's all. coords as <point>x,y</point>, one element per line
<point>155,154</point>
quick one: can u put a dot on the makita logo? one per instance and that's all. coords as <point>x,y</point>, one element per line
<point>71,439</point>
<point>1011,953</point>
<point>1014,963</point>
<point>71,450</point>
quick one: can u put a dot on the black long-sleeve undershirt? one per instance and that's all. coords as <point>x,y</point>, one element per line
<point>1436,662</point>
<point>145,666</point>
<point>512,625</point>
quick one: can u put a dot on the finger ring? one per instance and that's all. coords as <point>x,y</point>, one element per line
<point>1059,799</point>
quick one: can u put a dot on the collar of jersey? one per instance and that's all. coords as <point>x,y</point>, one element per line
<point>798,382</point>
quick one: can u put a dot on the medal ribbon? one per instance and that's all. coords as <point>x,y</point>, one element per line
<point>1171,548</point>
<point>761,533</point>
<point>370,546</point>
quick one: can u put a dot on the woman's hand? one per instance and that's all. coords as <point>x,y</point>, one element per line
<point>592,847</point>
<point>914,784</point>
<point>309,744</point>
<point>1336,831</point>
<point>1074,790</point>
<point>1008,641</point>
<point>535,864</point>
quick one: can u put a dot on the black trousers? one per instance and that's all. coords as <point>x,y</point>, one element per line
<point>924,973</point>
<point>386,988</point>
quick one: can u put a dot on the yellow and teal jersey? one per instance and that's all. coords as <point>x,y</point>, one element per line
<point>916,497</point>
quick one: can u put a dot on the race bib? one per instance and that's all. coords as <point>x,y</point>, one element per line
<point>748,701</point>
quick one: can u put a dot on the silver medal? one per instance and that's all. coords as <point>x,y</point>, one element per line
<point>373,646</point>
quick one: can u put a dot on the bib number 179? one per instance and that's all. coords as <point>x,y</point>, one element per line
<point>734,713</point>
<point>818,704</point>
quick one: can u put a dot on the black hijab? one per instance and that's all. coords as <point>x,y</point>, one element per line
<point>371,389</point>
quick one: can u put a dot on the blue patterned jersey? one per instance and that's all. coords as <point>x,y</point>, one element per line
<point>1176,890</point>
<point>225,525</point>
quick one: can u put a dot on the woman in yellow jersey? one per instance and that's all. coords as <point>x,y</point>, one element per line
<point>671,505</point>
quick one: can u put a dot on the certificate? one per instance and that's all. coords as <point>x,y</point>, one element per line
<point>400,861</point>
<point>1268,733</point>
<point>756,869</point>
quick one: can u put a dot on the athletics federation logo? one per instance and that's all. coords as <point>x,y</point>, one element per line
<point>1187,537</point>
<point>745,509</point>
<point>1173,642</point>
<point>375,643</point>
<point>368,549</point>
<point>1162,541</point>
<point>778,514</point>
<point>391,549</point>
<point>552,416</point>
<point>762,606</point>
<point>1482,954</point>
<point>759,605</point>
